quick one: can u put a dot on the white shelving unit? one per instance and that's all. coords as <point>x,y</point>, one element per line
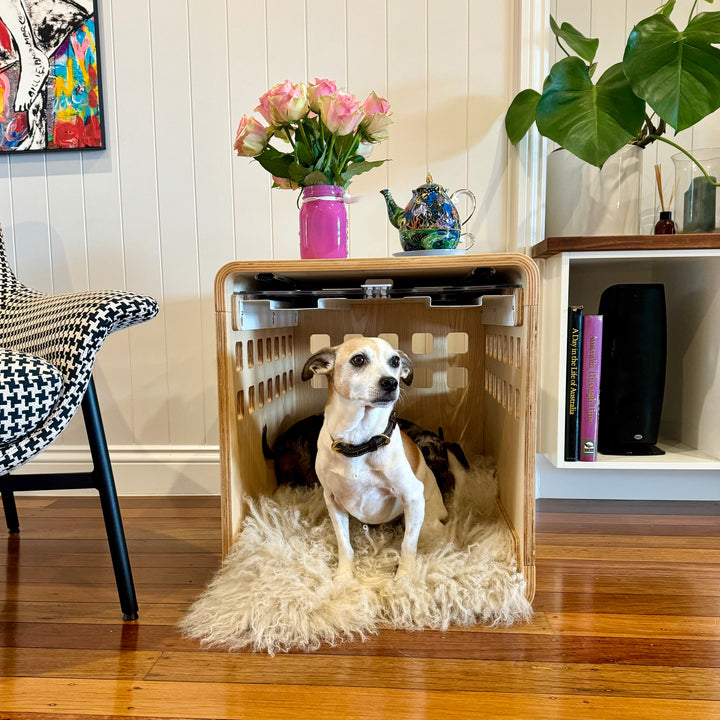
<point>689,431</point>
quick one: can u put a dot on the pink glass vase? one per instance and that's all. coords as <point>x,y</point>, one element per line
<point>323,222</point>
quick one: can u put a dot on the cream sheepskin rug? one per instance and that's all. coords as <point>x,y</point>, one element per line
<point>275,591</point>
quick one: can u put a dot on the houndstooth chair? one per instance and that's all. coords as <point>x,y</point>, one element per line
<point>48,345</point>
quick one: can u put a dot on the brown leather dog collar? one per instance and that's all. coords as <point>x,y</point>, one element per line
<point>375,442</point>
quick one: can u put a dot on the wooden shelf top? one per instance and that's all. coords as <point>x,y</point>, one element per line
<point>553,245</point>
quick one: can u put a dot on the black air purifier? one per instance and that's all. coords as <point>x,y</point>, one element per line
<point>632,377</point>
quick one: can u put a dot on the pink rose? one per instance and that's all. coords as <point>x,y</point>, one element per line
<point>376,127</point>
<point>377,117</point>
<point>284,103</point>
<point>341,113</point>
<point>317,90</point>
<point>375,104</point>
<point>285,183</point>
<point>250,138</point>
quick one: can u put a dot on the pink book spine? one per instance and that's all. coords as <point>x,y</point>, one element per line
<point>590,387</point>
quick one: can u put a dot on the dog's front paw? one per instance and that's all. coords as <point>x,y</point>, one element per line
<point>406,567</point>
<point>344,573</point>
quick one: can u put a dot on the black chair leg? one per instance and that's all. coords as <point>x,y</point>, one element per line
<point>11,516</point>
<point>105,484</point>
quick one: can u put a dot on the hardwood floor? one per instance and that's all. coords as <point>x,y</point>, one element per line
<point>626,626</point>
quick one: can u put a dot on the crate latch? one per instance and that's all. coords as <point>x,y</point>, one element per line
<point>262,315</point>
<point>498,310</point>
<point>377,288</point>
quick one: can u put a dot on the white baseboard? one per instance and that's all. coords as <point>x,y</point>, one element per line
<point>142,470</point>
<point>195,470</point>
<point>592,484</point>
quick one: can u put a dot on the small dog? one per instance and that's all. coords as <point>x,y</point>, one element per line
<point>295,451</point>
<point>367,467</point>
<point>435,451</point>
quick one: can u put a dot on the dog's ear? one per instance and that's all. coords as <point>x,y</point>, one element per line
<point>321,363</point>
<point>406,368</point>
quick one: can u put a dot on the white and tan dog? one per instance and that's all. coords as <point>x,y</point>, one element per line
<point>368,468</point>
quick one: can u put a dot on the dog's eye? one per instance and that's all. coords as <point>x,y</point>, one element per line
<point>357,360</point>
<point>394,361</point>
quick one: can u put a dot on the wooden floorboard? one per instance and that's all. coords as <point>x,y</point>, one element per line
<point>626,626</point>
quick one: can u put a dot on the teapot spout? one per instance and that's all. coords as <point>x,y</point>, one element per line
<point>394,212</point>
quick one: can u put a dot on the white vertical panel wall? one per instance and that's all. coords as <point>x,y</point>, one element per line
<point>167,203</point>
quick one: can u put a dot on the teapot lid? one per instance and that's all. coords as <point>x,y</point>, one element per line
<point>430,184</point>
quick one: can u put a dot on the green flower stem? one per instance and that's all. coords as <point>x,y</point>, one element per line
<point>351,151</point>
<point>685,152</point>
<point>321,160</point>
<point>290,138</point>
<point>301,128</point>
<point>329,153</point>
<point>322,128</point>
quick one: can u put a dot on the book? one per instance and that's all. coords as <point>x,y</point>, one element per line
<point>572,381</point>
<point>590,370</point>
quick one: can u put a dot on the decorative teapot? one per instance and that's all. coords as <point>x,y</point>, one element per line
<point>430,221</point>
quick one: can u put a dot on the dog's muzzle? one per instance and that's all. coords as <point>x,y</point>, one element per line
<point>386,392</point>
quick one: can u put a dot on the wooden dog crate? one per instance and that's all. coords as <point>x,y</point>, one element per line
<point>469,322</point>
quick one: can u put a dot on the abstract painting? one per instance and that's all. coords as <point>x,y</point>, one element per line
<point>50,91</point>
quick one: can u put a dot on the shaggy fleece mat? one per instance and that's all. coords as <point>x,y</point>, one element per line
<point>275,591</point>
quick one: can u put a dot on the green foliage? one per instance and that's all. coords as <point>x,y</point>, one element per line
<point>355,168</point>
<point>677,73</point>
<point>315,156</point>
<point>592,121</point>
<point>674,72</point>
<point>521,115</point>
<point>316,178</point>
<point>586,48</point>
<point>275,162</point>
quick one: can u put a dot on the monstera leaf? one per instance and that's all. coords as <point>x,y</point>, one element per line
<point>677,73</point>
<point>585,47</point>
<point>592,121</point>
<point>521,115</point>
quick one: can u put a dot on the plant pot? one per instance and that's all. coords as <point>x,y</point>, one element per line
<point>323,222</point>
<point>696,205</point>
<point>584,200</point>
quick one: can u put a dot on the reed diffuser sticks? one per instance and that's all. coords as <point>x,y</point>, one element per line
<point>658,180</point>
<point>665,225</point>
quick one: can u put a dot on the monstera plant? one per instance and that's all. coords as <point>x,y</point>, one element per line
<point>667,78</point>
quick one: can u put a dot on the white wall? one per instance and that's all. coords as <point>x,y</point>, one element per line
<point>167,204</point>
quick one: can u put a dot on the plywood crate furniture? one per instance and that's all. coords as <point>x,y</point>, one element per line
<point>469,322</point>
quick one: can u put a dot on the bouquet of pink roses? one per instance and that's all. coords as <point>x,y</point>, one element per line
<point>330,134</point>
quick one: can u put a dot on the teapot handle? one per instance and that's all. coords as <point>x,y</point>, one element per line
<point>470,195</point>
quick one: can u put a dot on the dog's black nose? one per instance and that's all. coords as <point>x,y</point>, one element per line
<point>388,383</point>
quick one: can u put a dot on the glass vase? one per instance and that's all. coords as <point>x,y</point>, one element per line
<point>323,222</point>
<point>583,200</point>
<point>695,206</point>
